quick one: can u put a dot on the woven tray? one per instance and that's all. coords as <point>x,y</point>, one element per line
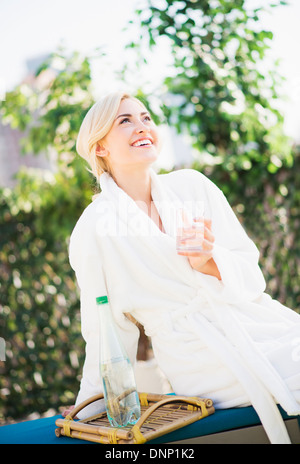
<point>160,414</point>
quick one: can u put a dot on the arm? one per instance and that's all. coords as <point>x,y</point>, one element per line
<point>231,271</point>
<point>234,253</point>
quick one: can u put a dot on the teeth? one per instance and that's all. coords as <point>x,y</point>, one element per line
<point>142,142</point>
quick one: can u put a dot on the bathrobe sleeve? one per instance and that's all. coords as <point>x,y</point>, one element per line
<point>235,254</point>
<point>85,259</point>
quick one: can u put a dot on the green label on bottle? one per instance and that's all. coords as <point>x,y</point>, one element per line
<point>101,300</point>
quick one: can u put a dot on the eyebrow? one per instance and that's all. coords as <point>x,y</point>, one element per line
<point>128,114</point>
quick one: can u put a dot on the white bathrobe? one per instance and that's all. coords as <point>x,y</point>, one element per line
<point>226,340</point>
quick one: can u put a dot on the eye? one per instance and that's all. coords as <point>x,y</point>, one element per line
<point>124,120</point>
<point>147,118</point>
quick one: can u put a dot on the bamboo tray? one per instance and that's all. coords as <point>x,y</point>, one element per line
<point>160,414</point>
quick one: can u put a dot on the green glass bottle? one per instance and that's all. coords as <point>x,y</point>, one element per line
<point>120,393</point>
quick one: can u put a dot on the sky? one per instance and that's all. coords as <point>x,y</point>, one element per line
<point>32,28</point>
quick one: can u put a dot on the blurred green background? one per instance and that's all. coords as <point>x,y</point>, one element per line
<point>218,95</point>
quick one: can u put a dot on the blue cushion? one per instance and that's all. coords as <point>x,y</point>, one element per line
<point>42,431</point>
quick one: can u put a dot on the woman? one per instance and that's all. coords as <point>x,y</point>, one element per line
<point>214,331</point>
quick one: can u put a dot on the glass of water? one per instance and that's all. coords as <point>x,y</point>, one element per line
<point>190,227</point>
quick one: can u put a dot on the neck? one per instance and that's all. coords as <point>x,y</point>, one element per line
<point>137,184</point>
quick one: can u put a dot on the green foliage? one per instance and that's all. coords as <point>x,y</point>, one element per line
<point>219,91</point>
<point>39,301</point>
<point>40,320</point>
<point>51,110</point>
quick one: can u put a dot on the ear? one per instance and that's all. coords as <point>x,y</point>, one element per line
<point>101,151</point>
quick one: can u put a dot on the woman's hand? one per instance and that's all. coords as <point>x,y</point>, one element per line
<point>202,260</point>
<point>68,411</point>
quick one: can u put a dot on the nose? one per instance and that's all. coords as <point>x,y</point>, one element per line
<point>140,127</point>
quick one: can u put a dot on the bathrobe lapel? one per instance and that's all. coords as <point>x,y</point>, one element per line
<point>131,221</point>
<point>136,220</point>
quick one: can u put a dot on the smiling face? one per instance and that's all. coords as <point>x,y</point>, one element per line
<point>132,141</point>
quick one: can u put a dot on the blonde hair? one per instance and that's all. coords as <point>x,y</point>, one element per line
<point>95,126</point>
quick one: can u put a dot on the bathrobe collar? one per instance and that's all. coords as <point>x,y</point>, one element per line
<point>133,216</point>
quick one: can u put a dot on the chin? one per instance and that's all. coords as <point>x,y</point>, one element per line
<point>152,160</point>
<point>149,157</point>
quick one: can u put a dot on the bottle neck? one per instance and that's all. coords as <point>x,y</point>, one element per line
<point>110,344</point>
<point>105,316</point>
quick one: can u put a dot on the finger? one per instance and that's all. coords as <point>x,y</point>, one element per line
<point>205,253</point>
<point>207,222</point>
<point>208,235</point>
<point>207,239</point>
<point>207,245</point>
<point>67,411</point>
<point>193,255</point>
<point>199,219</point>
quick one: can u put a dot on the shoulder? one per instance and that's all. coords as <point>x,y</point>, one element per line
<point>184,176</point>
<point>84,231</point>
<point>84,241</point>
<point>189,180</point>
